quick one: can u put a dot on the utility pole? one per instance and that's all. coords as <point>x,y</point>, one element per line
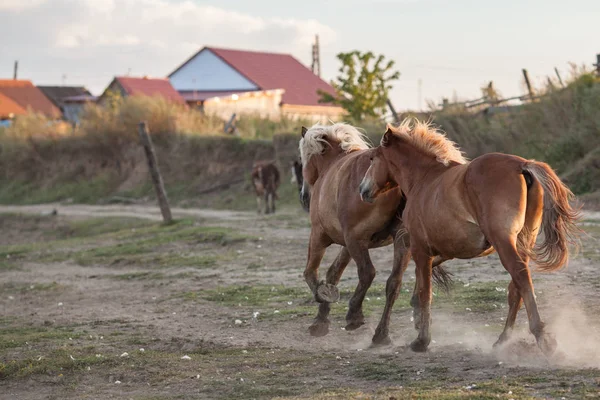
<point>16,69</point>
<point>597,64</point>
<point>316,59</point>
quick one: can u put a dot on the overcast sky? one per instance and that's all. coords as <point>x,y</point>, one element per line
<point>453,46</point>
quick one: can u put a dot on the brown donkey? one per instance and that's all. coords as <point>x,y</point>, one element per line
<point>265,178</point>
<point>460,209</point>
<point>334,159</point>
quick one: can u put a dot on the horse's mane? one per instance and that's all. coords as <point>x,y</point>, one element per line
<point>315,139</point>
<point>429,139</point>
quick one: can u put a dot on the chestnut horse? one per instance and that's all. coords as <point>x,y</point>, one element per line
<point>461,209</point>
<point>334,159</point>
<point>265,179</point>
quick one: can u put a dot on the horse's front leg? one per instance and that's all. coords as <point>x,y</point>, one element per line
<point>258,204</point>
<point>320,326</point>
<point>414,300</point>
<point>272,198</point>
<point>267,202</point>
<point>366,273</point>
<point>323,292</point>
<point>423,274</point>
<point>392,288</point>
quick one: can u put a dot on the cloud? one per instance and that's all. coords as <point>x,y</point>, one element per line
<point>19,5</point>
<point>92,40</point>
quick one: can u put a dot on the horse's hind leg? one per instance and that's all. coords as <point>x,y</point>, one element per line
<point>392,288</point>
<point>366,274</point>
<point>519,271</point>
<point>525,240</point>
<point>320,326</point>
<point>514,304</point>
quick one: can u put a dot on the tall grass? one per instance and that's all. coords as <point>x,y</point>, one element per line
<point>41,160</point>
<point>120,116</point>
<point>561,128</point>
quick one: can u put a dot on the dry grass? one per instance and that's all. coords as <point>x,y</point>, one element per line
<point>41,161</point>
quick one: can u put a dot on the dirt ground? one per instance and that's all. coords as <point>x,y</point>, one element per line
<point>105,302</point>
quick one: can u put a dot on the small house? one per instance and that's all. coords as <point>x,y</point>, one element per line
<point>17,97</point>
<point>70,99</point>
<point>225,81</point>
<point>152,87</point>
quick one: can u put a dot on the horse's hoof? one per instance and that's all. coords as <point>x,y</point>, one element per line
<point>353,325</point>
<point>327,293</point>
<point>501,340</point>
<point>319,329</point>
<point>419,346</point>
<point>380,341</point>
<point>547,343</point>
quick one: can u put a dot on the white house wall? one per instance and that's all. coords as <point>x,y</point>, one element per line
<point>206,71</point>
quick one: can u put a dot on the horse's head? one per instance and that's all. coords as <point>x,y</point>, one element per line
<point>377,179</point>
<point>320,146</point>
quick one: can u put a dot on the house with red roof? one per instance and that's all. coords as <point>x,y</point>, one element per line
<point>17,97</point>
<point>152,87</point>
<point>225,81</point>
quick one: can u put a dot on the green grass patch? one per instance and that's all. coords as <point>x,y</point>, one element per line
<point>114,242</point>
<point>57,363</point>
<point>13,337</point>
<point>11,287</point>
<point>81,191</point>
<point>284,301</point>
<point>479,296</point>
<point>148,275</point>
<point>254,295</point>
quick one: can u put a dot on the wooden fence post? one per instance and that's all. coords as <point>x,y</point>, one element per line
<point>559,78</point>
<point>528,83</point>
<point>161,194</point>
<point>393,110</point>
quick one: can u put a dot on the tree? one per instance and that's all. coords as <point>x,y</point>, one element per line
<point>363,86</point>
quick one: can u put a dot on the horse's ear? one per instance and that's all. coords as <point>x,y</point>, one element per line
<point>387,137</point>
<point>304,130</point>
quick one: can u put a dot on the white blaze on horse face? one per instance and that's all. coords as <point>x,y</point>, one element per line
<point>294,180</point>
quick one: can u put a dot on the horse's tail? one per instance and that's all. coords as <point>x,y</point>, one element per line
<point>442,278</point>
<point>558,221</point>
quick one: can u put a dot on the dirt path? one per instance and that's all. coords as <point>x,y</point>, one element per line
<point>149,212</point>
<point>239,308</point>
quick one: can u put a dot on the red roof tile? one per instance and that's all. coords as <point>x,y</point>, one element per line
<point>8,107</point>
<point>150,87</point>
<point>27,96</point>
<point>275,71</point>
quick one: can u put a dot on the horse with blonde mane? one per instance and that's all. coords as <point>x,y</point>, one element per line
<point>461,209</point>
<point>334,160</point>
